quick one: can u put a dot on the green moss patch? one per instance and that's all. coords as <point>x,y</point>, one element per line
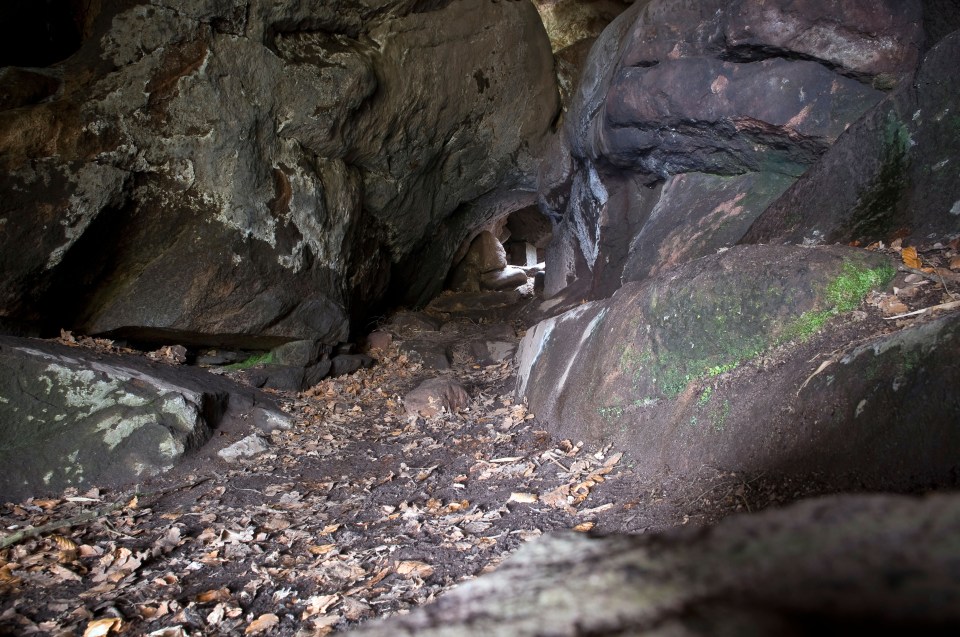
<point>843,294</point>
<point>253,361</point>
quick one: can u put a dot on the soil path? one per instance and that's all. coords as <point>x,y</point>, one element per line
<point>358,511</point>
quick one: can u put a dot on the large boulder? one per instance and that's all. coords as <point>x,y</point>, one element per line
<point>235,173</point>
<point>892,173</point>
<point>75,417</point>
<point>667,370</point>
<point>868,564</point>
<point>721,88</point>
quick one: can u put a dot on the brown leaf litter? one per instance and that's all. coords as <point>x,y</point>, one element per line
<point>359,511</point>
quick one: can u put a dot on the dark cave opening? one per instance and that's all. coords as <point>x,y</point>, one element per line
<point>38,33</point>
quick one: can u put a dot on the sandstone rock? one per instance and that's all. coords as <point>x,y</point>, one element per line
<point>889,173</point>
<point>349,363</point>
<point>72,417</point>
<point>292,378</point>
<point>468,302</point>
<point>868,563</point>
<point>434,395</point>
<point>299,353</point>
<point>430,354</point>
<point>218,357</point>
<point>250,187</point>
<point>486,254</point>
<point>695,215</point>
<point>666,370</point>
<point>572,27</point>
<point>530,225</point>
<point>409,323</point>
<point>721,88</point>
<point>252,445</point>
<point>492,352</point>
<point>379,341</point>
<point>505,279</point>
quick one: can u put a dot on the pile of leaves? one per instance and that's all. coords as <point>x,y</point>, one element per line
<point>359,511</point>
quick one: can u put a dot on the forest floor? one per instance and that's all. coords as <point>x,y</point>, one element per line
<point>357,511</point>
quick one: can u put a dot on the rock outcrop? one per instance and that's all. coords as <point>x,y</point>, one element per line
<point>667,370</point>
<point>705,94</point>
<point>74,417</point>
<point>842,564</point>
<point>894,172</point>
<point>248,172</point>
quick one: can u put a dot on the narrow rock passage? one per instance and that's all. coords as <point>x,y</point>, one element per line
<point>359,511</point>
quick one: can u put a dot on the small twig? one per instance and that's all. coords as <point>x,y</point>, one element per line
<point>906,268</point>
<point>89,516</point>
<point>35,531</point>
<point>943,306</point>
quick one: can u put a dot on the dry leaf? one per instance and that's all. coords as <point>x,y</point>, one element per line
<point>213,595</point>
<point>526,498</point>
<point>583,527</point>
<point>64,543</point>
<point>262,623</point>
<point>172,631</point>
<point>557,498</point>
<point>321,549</point>
<point>892,305</point>
<point>412,568</point>
<point>614,459</point>
<point>910,258</point>
<point>102,627</point>
<point>318,604</point>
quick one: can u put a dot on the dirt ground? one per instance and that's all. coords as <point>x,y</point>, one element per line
<point>359,511</point>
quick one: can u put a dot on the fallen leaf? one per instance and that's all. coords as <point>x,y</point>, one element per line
<point>412,568</point>
<point>892,305</point>
<point>321,549</point>
<point>583,527</point>
<point>526,498</point>
<point>955,263</point>
<point>172,631</point>
<point>64,543</point>
<point>318,604</point>
<point>102,627</point>
<point>910,258</point>
<point>557,498</point>
<point>261,624</point>
<point>614,459</point>
<point>213,595</point>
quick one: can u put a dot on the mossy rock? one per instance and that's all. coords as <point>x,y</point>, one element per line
<point>640,369</point>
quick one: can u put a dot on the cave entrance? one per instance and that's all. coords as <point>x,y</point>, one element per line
<point>525,235</point>
<point>38,33</point>
<point>508,254</point>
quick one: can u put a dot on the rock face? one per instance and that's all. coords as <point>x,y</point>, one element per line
<point>695,97</point>
<point>667,370</point>
<point>893,172</point>
<point>69,417</point>
<point>875,563</point>
<point>236,173</point>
